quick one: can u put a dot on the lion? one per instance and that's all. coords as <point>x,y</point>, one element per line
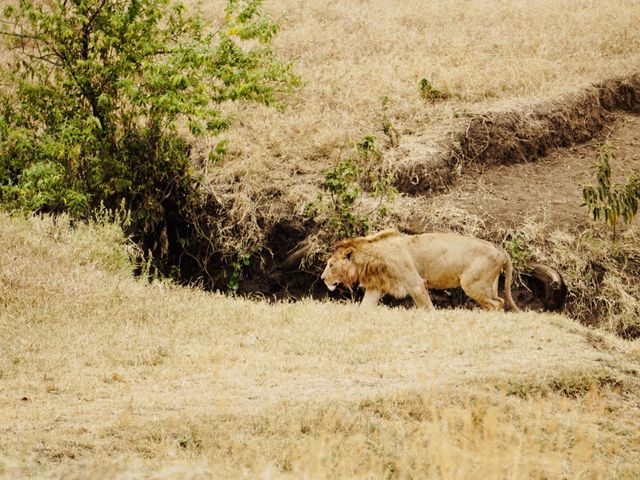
<point>393,263</point>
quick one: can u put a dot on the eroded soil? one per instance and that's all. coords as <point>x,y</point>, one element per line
<point>505,194</point>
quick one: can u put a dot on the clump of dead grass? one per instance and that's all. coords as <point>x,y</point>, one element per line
<point>600,273</point>
<point>569,383</point>
<point>100,243</point>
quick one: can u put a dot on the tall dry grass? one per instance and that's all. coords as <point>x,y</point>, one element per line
<point>105,376</point>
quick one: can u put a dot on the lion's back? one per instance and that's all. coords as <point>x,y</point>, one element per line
<point>443,257</point>
<point>440,258</point>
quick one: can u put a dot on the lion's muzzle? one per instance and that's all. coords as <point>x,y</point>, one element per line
<point>331,285</point>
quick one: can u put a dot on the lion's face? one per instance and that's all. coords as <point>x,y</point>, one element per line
<point>339,269</point>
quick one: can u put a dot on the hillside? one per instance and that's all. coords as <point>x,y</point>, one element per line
<point>521,82</point>
<point>491,55</point>
<point>103,375</point>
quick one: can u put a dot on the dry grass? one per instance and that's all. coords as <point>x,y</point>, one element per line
<point>602,275</point>
<point>104,376</point>
<point>486,54</point>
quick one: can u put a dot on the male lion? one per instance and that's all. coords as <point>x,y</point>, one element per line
<point>400,265</point>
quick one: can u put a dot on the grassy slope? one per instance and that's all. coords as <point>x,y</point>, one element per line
<point>351,53</point>
<point>101,374</point>
<point>489,55</point>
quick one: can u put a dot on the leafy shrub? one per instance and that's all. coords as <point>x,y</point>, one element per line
<point>242,261</point>
<point>515,244</point>
<point>430,93</point>
<point>42,188</point>
<point>390,131</point>
<point>344,185</point>
<point>341,183</point>
<point>609,201</point>
<point>103,96</point>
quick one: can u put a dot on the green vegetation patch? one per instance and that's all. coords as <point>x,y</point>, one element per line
<point>108,98</point>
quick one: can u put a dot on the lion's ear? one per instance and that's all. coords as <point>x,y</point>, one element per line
<point>348,254</point>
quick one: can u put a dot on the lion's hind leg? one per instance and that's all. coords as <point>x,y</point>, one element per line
<point>484,291</point>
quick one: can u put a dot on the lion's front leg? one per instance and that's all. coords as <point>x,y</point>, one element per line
<point>420,295</point>
<point>371,297</point>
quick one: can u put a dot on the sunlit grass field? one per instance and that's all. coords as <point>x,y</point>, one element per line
<point>104,375</point>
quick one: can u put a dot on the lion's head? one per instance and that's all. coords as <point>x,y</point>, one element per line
<point>340,268</point>
<point>357,260</point>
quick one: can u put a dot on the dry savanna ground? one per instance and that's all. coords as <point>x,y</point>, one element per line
<point>103,375</point>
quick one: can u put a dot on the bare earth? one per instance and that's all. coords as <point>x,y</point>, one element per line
<point>548,189</point>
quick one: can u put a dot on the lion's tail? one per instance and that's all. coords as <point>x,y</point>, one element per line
<point>508,276</point>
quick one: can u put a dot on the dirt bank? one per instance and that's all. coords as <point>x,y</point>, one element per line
<point>501,166</point>
<point>512,136</point>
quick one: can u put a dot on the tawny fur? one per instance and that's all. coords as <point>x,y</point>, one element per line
<point>389,262</point>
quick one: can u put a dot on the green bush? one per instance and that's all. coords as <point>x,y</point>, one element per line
<point>342,191</point>
<point>431,93</point>
<point>515,244</point>
<point>104,93</point>
<point>610,201</point>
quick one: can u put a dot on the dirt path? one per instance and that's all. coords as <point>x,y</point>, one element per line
<point>505,194</point>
